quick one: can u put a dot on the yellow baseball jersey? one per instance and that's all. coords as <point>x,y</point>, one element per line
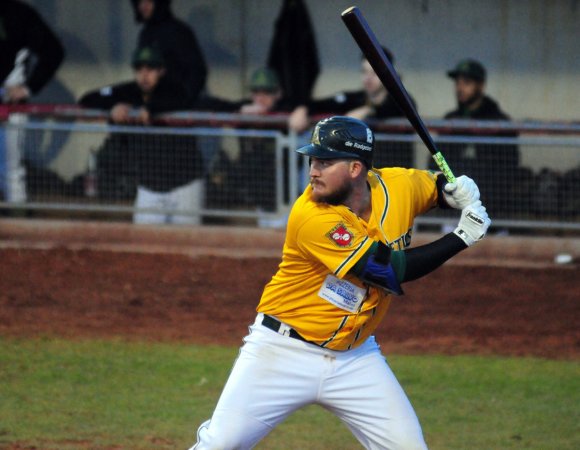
<point>313,291</point>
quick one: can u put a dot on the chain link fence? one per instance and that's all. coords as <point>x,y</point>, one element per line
<point>235,173</point>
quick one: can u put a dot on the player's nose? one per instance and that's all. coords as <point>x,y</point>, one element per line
<point>314,171</point>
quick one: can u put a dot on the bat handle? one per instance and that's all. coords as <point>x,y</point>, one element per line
<point>442,164</point>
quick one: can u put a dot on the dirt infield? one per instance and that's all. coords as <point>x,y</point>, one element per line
<point>95,280</point>
<point>158,288</point>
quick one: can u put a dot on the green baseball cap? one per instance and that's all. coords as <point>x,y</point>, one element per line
<point>264,80</point>
<point>469,68</point>
<point>147,56</point>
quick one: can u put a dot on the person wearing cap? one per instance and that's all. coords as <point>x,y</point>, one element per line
<point>472,103</point>
<point>167,170</point>
<point>371,103</point>
<point>266,94</point>
<point>149,93</point>
<point>345,257</point>
<point>266,97</point>
<point>237,181</point>
<point>184,60</point>
<point>493,166</point>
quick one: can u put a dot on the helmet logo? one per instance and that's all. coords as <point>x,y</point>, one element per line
<point>315,136</point>
<point>369,136</point>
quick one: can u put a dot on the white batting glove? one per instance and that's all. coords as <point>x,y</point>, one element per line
<point>473,224</point>
<point>462,193</point>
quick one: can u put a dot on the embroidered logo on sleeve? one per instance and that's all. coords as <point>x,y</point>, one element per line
<point>340,235</point>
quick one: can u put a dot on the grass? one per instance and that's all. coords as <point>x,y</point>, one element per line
<point>104,394</point>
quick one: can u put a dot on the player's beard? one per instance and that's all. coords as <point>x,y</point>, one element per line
<point>337,197</point>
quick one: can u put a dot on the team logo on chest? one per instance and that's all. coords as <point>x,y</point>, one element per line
<point>340,235</point>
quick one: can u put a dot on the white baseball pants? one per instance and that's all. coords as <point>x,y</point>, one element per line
<point>188,197</point>
<point>275,375</point>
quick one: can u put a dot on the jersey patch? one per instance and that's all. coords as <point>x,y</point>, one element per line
<point>342,293</point>
<point>340,235</point>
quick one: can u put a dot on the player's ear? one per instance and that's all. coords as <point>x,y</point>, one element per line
<point>356,167</point>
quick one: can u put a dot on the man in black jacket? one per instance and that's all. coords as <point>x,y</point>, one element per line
<point>167,169</point>
<point>184,60</point>
<point>492,166</point>
<point>372,102</point>
<point>151,92</point>
<point>30,53</point>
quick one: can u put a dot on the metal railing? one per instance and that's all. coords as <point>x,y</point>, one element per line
<point>194,167</point>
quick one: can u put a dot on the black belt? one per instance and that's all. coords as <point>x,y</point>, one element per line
<point>275,324</point>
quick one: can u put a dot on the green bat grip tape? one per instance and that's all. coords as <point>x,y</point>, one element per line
<point>442,164</point>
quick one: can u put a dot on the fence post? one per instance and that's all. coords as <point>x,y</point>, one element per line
<point>15,170</point>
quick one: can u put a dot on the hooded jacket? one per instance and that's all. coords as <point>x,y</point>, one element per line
<point>22,27</point>
<point>177,43</point>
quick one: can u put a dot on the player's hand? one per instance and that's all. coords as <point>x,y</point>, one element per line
<point>473,224</point>
<point>462,193</point>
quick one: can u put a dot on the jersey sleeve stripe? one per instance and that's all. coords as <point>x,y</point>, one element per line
<point>345,266</point>
<point>386,193</point>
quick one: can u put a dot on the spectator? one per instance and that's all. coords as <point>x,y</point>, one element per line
<point>239,178</point>
<point>266,96</point>
<point>166,168</point>
<point>150,91</point>
<point>372,102</point>
<point>494,167</point>
<point>30,53</point>
<point>184,60</point>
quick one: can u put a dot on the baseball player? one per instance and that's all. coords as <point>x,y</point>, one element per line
<point>345,256</point>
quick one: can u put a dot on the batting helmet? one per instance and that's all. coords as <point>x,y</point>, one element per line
<point>341,137</point>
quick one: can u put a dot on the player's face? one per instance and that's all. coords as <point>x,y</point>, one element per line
<point>371,82</point>
<point>146,8</point>
<point>330,180</point>
<point>148,78</point>
<point>467,90</point>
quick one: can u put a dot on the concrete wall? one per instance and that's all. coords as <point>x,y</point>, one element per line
<point>530,47</point>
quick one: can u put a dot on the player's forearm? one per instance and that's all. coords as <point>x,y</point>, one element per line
<point>387,269</point>
<point>423,260</point>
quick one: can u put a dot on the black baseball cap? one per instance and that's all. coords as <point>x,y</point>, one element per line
<point>341,137</point>
<point>147,56</point>
<point>469,68</point>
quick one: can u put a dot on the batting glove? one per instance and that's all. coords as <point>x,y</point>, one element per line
<point>462,193</point>
<point>473,224</point>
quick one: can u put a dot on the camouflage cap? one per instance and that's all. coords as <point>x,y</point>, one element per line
<point>264,79</point>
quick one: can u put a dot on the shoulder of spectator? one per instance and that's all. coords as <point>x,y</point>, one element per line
<point>110,94</point>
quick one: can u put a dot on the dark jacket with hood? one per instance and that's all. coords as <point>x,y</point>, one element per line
<point>22,27</point>
<point>165,97</point>
<point>159,162</point>
<point>177,43</point>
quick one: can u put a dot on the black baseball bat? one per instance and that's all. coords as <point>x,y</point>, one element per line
<point>366,40</point>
